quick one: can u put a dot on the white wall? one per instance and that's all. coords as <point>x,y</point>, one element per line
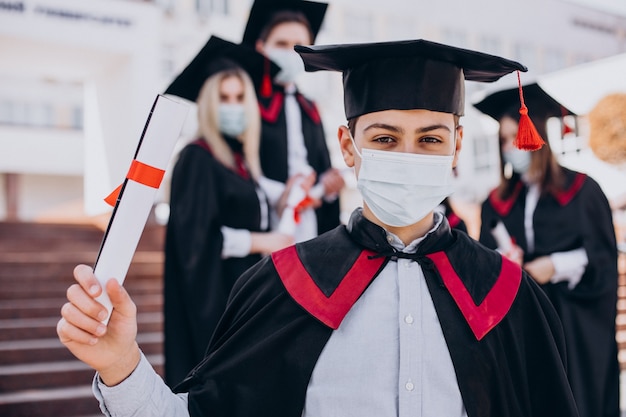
<point>111,50</point>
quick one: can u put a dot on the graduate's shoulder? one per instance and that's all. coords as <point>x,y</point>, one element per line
<point>316,255</point>
<point>497,287</point>
<point>197,151</point>
<point>472,260</point>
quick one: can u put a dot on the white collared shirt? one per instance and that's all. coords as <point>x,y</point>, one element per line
<point>388,357</point>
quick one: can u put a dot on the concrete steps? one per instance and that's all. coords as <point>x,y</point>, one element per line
<point>38,375</point>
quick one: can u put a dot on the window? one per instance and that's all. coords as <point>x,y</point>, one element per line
<point>398,27</point>
<point>359,26</point>
<point>486,154</point>
<point>455,38</point>
<point>526,54</point>
<point>208,7</point>
<point>554,60</point>
<point>490,45</point>
<point>166,5</point>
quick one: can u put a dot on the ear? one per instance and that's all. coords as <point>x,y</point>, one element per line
<point>346,146</point>
<point>458,145</point>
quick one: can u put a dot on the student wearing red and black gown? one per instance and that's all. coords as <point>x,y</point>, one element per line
<point>293,140</point>
<point>560,220</point>
<point>218,224</point>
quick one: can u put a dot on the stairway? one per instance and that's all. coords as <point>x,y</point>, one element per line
<point>38,375</point>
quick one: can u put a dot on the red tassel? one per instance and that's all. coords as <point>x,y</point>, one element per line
<point>528,139</point>
<point>266,84</point>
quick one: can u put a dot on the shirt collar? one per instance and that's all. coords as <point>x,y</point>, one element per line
<point>412,247</point>
<point>375,238</point>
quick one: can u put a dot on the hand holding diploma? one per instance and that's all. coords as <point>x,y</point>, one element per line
<point>99,322</point>
<point>109,349</point>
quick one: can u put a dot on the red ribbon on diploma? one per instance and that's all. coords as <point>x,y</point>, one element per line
<point>141,173</point>
<point>302,205</point>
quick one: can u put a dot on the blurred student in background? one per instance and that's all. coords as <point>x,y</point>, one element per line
<point>218,225</point>
<point>561,226</point>
<point>293,141</point>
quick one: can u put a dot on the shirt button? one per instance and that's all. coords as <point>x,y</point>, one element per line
<point>408,319</point>
<point>409,386</point>
<point>407,265</point>
<point>389,238</point>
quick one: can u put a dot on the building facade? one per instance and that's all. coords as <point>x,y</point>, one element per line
<point>77,79</point>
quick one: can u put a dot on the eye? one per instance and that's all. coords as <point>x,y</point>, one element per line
<point>383,139</point>
<point>430,139</point>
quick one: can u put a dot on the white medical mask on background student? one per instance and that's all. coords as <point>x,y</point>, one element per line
<point>290,63</point>
<point>402,188</point>
<point>232,119</point>
<point>519,160</point>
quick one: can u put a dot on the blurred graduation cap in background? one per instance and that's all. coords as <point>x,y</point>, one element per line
<point>542,105</point>
<point>215,56</point>
<point>263,11</point>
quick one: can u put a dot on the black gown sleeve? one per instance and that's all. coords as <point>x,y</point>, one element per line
<point>599,241</point>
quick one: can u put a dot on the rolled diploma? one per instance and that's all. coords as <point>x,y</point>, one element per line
<point>135,200</point>
<point>502,237</point>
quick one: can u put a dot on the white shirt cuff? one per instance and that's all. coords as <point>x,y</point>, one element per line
<point>237,242</point>
<point>569,266</point>
<point>143,393</point>
<point>273,189</point>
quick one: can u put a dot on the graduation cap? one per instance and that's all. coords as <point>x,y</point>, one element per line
<point>215,56</point>
<point>405,75</point>
<point>543,105</point>
<point>262,12</point>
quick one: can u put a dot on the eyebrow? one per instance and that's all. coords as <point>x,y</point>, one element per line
<point>397,129</point>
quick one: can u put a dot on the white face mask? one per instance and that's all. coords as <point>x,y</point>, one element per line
<point>402,188</point>
<point>232,119</point>
<point>290,64</point>
<point>519,160</point>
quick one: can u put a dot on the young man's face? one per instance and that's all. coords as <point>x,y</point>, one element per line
<point>411,131</point>
<point>285,36</point>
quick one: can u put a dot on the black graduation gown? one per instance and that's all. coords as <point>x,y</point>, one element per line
<point>579,216</point>
<point>205,195</point>
<point>273,146</point>
<point>504,337</point>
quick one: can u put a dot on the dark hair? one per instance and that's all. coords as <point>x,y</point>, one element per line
<point>285,16</point>
<point>352,125</point>
<point>550,174</point>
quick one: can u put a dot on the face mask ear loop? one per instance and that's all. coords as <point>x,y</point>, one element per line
<point>456,139</point>
<point>354,145</point>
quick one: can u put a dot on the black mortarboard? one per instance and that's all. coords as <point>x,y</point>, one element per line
<point>540,103</point>
<point>262,11</point>
<point>405,75</point>
<point>218,55</point>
